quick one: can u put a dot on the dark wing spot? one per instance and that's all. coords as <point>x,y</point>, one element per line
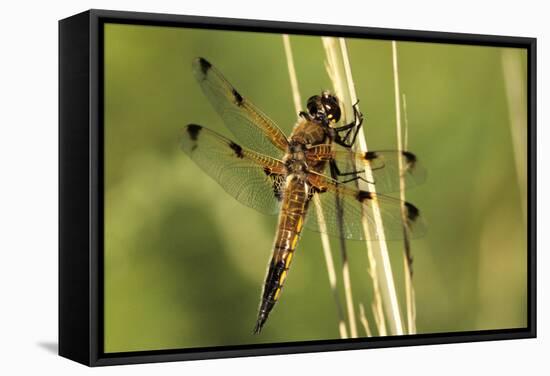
<point>370,155</point>
<point>410,157</point>
<point>237,149</point>
<point>267,171</point>
<point>205,65</point>
<point>238,98</point>
<point>364,195</point>
<point>194,130</point>
<point>412,212</point>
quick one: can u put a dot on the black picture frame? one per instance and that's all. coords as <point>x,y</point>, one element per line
<point>81,186</point>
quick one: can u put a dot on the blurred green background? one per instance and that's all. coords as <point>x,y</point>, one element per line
<point>185,262</point>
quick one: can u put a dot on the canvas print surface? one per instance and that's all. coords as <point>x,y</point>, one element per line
<point>349,189</point>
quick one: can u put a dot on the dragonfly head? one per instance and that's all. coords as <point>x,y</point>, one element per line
<point>324,108</point>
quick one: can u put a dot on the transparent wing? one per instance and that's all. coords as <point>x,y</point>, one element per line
<point>251,127</point>
<point>253,179</point>
<point>343,209</point>
<point>383,164</point>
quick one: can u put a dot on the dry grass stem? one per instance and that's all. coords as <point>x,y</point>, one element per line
<point>378,315</point>
<point>292,74</point>
<point>407,254</point>
<point>339,88</point>
<point>339,64</point>
<point>406,118</point>
<point>320,217</point>
<point>516,88</point>
<point>409,286</point>
<point>364,321</point>
<point>377,310</point>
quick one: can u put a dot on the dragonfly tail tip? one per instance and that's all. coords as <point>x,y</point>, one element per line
<point>259,324</point>
<point>257,328</point>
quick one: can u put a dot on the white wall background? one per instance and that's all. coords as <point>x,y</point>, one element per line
<point>28,185</point>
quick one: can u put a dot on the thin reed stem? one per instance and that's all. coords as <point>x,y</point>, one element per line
<point>333,58</point>
<point>408,259</point>
<point>376,305</point>
<point>325,242</point>
<point>339,64</point>
<point>406,118</point>
<point>364,321</point>
<point>348,293</point>
<point>407,254</point>
<point>516,88</point>
<point>292,74</point>
<point>378,314</point>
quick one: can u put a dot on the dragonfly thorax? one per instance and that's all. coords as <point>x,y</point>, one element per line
<point>295,160</point>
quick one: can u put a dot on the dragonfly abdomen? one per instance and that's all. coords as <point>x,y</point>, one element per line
<point>291,220</point>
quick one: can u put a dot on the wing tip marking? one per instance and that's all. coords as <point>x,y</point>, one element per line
<point>204,64</point>
<point>410,157</point>
<point>412,212</point>
<point>194,130</point>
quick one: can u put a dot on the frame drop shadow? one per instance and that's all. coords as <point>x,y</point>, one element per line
<point>51,347</point>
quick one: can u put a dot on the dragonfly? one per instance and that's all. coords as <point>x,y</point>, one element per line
<point>280,175</point>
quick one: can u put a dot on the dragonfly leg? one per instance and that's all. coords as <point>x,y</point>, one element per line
<point>336,173</point>
<point>305,115</point>
<point>347,140</point>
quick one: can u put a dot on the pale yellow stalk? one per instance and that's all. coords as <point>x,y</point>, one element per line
<point>339,64</point>
<point>320,216</point>
<point>364,321</point>
<point>378,315</point>
<point>339,88</point>
<point>516,88</point>
<point>407,258</point>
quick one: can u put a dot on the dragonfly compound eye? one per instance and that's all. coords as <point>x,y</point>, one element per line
<point>314,106</point>
<point>331,107</point>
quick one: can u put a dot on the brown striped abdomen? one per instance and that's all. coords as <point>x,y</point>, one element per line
<point>291,220</point>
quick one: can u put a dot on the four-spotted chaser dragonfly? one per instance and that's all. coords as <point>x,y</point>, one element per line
<point>276,174</point>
